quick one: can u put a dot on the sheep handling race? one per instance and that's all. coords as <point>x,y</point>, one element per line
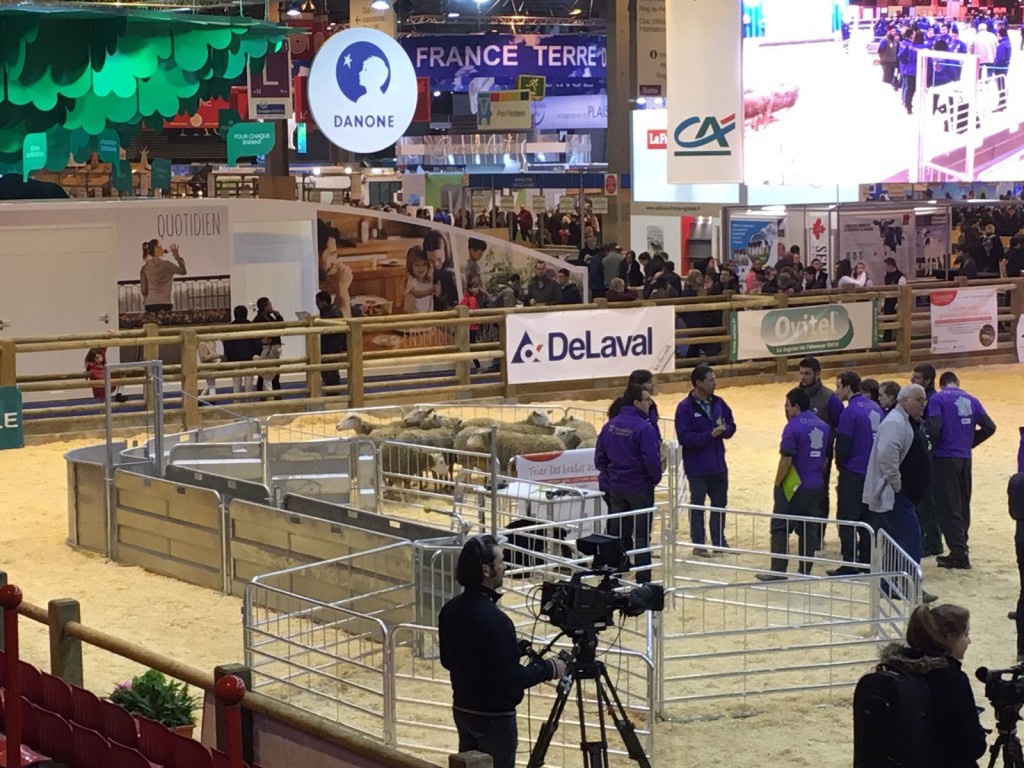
<point>334,533</point>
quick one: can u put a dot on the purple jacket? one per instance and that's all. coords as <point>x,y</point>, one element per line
<point>703,454</point>
<point>628,452</point>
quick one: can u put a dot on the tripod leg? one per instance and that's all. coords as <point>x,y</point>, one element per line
<point>622,722</point>
<point>595,753</point>
<point>547,731</point>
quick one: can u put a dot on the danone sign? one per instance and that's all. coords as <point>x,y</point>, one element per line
<point>599,343</point>
<point>803,330</point>
<point>12,434</point>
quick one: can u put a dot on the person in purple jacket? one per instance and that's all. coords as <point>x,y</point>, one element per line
<point>803,449</point>
<point>956,423</point>
<point>628,453</point>
<point>855,436</point>
<point>703,423</point>
<point>827,407</point>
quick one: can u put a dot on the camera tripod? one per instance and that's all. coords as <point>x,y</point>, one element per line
<point>582,665</point>
<point>1007,741</point>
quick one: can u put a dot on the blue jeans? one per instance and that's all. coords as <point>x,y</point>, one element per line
<point>494,735</point>
<point>902,524</point>
<point>717,488</point>
<point>640,525</point>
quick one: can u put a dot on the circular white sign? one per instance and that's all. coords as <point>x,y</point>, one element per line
<point>362,90</point>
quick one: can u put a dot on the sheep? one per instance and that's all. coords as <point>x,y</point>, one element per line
<point>511,444</point>
<point>418,418</point>
<point>537,422</point>
<point>590,442</point>
<point>403,466</point>
<point>584,429</point>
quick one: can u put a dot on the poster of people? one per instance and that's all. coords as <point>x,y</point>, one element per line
<point>174,265</point>
<point>373,263</point>
<point>871,238</point>
<point>957,122</point>
<point>753,239</point>
<point>964,320</point>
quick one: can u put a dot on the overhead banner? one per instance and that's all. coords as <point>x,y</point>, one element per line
<point>599,343</point>
<point>705,113</point>
<point>504,111</point>
<point>651,78</point>
<point>453,62</point>
<point>964,320</point>
<point>363,14</point>
<point>270,89</point>
<point>803,330</point>
<point>565,112</point>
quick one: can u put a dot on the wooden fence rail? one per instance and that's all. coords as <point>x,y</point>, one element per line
<point>404,358</point>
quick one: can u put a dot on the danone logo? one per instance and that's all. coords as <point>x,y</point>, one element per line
<point>806,329</point>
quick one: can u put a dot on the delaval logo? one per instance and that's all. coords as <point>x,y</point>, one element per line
<point>362,90</point>
<point>561,346</point>
<point>710,130</point>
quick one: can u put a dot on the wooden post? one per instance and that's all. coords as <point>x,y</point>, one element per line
<point>65,652</point>
<point>8,365</point>
<point>355,364</point>
<point>506,391</point>
<point>245,675</point>
<point>150,351</point>
<point>314,381</point>
<point>462,344</point>
<point>782,362</point>
<point>190,377</point>
<point>470,760</point>
<point>1016,302</point>
<point>904,313</point>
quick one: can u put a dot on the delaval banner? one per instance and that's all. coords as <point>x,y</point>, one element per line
<point>705,110</point>
<point>802,330</point>
<point>599,343</point>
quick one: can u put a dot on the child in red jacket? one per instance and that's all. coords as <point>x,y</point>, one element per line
<point>95,367</point>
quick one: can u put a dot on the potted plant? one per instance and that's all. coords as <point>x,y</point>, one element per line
<point>153,695</point>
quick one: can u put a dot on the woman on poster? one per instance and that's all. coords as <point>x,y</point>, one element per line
<point>438,250</point>
<point>335,275</point>
<point>156,278</point>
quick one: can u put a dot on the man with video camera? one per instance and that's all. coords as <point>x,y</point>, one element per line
<point>481,653</point>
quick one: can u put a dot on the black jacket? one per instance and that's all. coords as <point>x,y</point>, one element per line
<point>271,316</point>
<point>916,467</point>
<point>332,343</point>
<point>236,350</point>
<point>480,651</point>
<point>958,737</point>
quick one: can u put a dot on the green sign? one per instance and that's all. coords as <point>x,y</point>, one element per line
<point>12,433</point>
<point>121,178</point>
<point>535,84</point>
<point>109,147</point>
<point>81,145</point>
<point>160,174</point>
<point>33,152</point>
<point>58,147</point>
<point>227,118</point>
<point>803,330</point>
<point>249,140</point>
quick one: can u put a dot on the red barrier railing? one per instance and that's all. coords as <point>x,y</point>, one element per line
<point>10,599</point>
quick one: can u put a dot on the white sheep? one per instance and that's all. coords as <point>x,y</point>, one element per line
<point>511,444</point>
<point>538,421</point>
<point>584,429</point>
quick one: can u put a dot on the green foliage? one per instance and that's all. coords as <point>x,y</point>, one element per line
<point>152,695</point>
<point>80,71</point>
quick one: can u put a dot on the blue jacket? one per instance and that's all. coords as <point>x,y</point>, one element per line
<point>703,454</point>
<point>1003,51</point>
<point>907,58</point>
<point>628,452</point>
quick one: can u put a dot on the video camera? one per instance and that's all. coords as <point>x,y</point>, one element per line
<point>579,609</point>
<point>1003,687</point>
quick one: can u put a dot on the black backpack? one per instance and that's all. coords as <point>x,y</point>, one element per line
<point>892,719</point>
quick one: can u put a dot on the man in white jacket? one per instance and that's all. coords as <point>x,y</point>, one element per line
<point>898,471</point>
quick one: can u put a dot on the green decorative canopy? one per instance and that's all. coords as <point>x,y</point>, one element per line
<point>74,72</point>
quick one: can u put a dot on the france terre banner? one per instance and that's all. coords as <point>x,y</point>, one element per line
<point>803,330</point>
<point>964,320</point>
<point>599,343</point>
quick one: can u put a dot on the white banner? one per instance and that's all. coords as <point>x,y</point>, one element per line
<point>803,330</point>
<point>650,47</point>
<point>590,344</point>
<point>705,112</point>
<point>964,320</point>
<point>575,468</point>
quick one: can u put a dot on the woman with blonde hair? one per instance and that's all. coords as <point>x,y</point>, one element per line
<point>937,639</point>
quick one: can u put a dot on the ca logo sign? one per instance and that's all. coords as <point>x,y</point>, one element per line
<point>710,131</point>
<point>527,351</point>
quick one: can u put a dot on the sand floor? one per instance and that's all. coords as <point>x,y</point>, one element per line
<point>204,628</point>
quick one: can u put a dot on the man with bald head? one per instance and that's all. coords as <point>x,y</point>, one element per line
<point>898,471</point>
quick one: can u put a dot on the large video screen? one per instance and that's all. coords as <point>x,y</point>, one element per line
<point>828,101</point>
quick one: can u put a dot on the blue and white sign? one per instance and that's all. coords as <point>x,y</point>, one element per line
<point>590,344</point>
<point>453,62</point>
<point>362,90</point>
<point>564,112</point>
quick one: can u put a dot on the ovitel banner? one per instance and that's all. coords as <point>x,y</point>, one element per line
<point>803,330</point>
<point>599,343</point>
